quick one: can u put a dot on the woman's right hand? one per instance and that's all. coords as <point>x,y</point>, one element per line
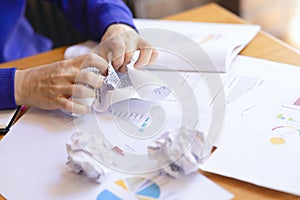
<point>50,86</point>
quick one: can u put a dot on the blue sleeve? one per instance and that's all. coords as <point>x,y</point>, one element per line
<point>93,17</point>
<point>7,90</point>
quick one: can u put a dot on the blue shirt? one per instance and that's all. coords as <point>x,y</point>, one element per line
<point>18,39</point>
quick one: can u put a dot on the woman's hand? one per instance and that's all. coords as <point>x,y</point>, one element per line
<point>121,41</point>
<point>51,86</point>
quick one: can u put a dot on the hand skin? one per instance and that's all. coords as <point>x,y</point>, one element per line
<point>50,86</point>
<point>121,41</point>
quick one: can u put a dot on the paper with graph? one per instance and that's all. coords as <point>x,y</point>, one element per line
<point>155,187</point>
<point>261,136</point>
<point>47,177</point>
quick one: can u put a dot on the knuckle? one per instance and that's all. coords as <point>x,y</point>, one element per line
<point>53,91</point>
<point>116,43</point>
<point>117,63</point>
<point>66,105</point>
<point>128,57</point>
<point>129,54</point>
<point>61,64</point>
<point>79,90</point>
<point>89,57</point>
<point>144,44</point>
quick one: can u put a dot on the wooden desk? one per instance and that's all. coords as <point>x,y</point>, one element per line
<point>263,46</point>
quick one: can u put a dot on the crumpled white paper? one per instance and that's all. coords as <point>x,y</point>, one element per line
<point>135,84</point>
<point>81,160</point>
<point>181,149</point>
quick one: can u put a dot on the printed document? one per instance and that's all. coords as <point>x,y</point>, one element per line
<point>261,136</point>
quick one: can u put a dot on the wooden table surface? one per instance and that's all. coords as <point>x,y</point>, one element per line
<point>263,46</point>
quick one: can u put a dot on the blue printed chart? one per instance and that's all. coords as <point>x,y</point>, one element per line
<point>141,188</point>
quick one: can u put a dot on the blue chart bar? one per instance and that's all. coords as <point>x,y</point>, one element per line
<point>139,187</point>
<point>107,195</point>
<point>150,191</point>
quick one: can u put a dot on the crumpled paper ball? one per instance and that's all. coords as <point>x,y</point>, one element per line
<point>180,149</point>
<point>82,162</point>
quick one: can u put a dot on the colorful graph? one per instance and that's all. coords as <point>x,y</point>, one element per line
<point>107,195</point>
<point>282,133</point>
<point>288,119</point>
<point>142,188</point>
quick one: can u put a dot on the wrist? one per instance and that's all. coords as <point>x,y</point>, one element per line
<point>18,87</point>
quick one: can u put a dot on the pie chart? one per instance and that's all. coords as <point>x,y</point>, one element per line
<point>142,188</point>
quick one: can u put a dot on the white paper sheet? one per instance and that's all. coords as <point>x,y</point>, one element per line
<point>33,157</point>
<point>5,116</point>
<point>261,138</point>
<point>222,42</point>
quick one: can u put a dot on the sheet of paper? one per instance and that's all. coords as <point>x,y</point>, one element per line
<point>221,42</point>
<point>261,138</point>
<point>5,116</point>
<point>33,157</point>
<point>120,186</point>
<point>216,44</point>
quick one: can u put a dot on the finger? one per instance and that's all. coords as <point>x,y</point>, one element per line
<point>104,50</point>
<point>145,53</point>
<point>123,69</point>
<point>73,107</point>
<point>118,56</point>
<point>81,91</point>
<point>91,60</point>
<point>144,57</point>
<point>127,60</point>
<point>153,56</point>
<point>90,78</point>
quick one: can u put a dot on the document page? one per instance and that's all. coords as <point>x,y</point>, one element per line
<point>33,161</point>
<point>5,116</point>
<point>221,42</point>
<point>261,138</point>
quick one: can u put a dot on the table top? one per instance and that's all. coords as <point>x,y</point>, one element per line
<point>263,46</point>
